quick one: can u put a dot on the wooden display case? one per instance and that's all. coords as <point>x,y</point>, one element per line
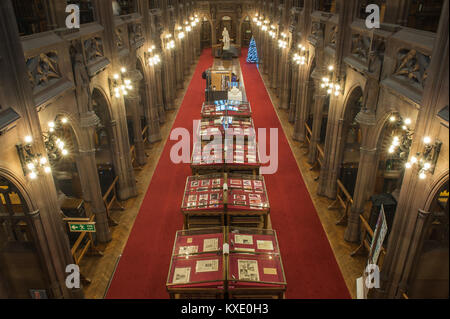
<point>198,266</point>
<point>220,155</point>
<point>249,267</point>
<point>203,201</point>
<point>225,200</point>
<point>226,108</point>
<point>234,126</point>
<point>247,201</point>
<point>255,268</point>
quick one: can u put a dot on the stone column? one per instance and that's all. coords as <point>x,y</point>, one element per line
<point>367,167</point>
<point>301,109</point>
<point>319,99</point>
<point>274,76</point>
<point>415,191</point>
<point>329,170</point>
<point>283,89</point>
<point>51,240</point>
<point>293,93</point>
<point>133,102</point>
<point>178,63</point>
<point>159,92</point>
<point>88,173</point>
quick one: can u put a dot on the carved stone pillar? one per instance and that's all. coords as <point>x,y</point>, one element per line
<point>51,241</point>
<point>301,110</point>
<point>179,63</point>
<point>283,89</point>
<point>274,75</point>
<point>133,102</point>
<point>159,91</point>
<point>367,167</point>
<point>293,92</point>
<point>319,99</point>
<point>329,170</point>
<point>88,173</point>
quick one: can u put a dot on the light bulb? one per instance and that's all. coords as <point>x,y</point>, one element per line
<point>30,166</point>
<point>422,175</point>
<point>28,139</point>
<point>408,165</point>
<point>64,120</point>
<point>330,68</point>
<point>127,82</point>
<point>123,70</point>
<point>407,121</point>
<point>413,160</point>
<point>392,119</point>
<point>32,175</point>
<point>51,130</point>
<point>51,124</point>
<point>117,95</point>
<point>47,169</point>
<point>64,152</point>
<point>329,91</point>
<point>336,93</point>
<point>391,150</point>
<point>116,76</point>
<point>427,140</point>
<point>43,160</point>
<point>426,166</point>
<point>404,127</point>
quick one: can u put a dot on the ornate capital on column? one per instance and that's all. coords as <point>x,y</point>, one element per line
<point>366,117</point>
<point>367,151</point>
<point>89,119</point>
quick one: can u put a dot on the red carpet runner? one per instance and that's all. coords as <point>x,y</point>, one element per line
<point>309,263</point>
<point>310,266</point>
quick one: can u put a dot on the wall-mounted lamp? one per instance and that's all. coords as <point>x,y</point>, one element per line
<point>427,159</point>
<point>119,85</point>
<point>33,164</point>
<point>303,56</point>
<point>331,87</point>
<point>151,57</point>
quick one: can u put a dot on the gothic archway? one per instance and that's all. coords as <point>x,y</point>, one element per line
<point>350,140</point>
<point>20,264</point>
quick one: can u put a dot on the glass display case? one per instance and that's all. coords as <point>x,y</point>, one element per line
<point>198,265</point>
<point>226,108</point>
<point>220,155</point>
<point>224,199</point>
<point>226,262</point>
<point>203,201</point>
<point>255,268</point>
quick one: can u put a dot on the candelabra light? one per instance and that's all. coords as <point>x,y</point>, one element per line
<point>150,56</point>
<point>33,164</point>
<point>301,57</point>
<point>328,85</point>
<point>119,85</point>
<point>427,159</point>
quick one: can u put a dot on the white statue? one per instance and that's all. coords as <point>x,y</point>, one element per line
<point>225,39</point>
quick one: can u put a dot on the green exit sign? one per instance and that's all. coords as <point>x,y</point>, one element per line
<point>82,227</point>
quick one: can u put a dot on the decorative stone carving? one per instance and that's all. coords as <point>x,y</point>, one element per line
<point>333,35</point>
<point>89,119</point>
<point>412,66</point>
<point>135,34</point>
<point>361,46</point>
<point>213,12</point>
<point>93,49</point>
<point>82,83</point>
<point>316,29</point>
<point>118,38</point>
<point>42,69</point>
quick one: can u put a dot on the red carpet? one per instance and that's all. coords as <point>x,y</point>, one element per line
<point>309,263</point>
<point>143,267</point>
